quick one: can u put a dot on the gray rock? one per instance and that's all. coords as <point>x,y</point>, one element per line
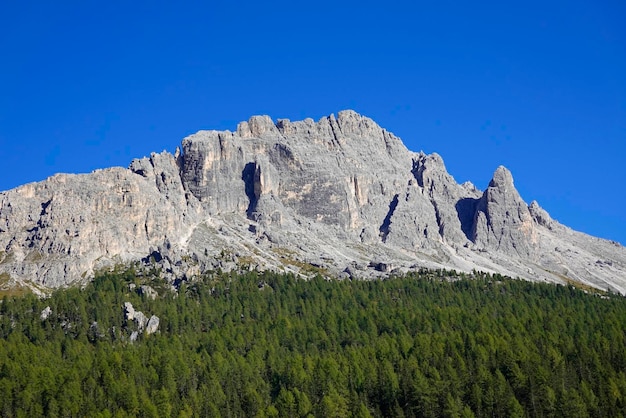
<point>540,216</point>
<point>503,222</point>
<point>129,311</point>
<point>153,325</point>
<point>332,195</point>
<point>382,267</point>
<point>148,291</point>
<point>141,320</point>
<point>45,313</point>
<point>131,314</point>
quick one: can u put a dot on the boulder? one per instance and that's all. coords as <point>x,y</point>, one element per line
<point>153,325</point>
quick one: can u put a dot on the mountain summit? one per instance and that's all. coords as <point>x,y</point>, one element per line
<point>340,196</point>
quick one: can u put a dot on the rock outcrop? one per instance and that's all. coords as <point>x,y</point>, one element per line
<point>153,325</point>
<point>45,313</point>
<point>148,291</point>
<point>129,311</point>
<point>340,196</point>
<point>141,321</point>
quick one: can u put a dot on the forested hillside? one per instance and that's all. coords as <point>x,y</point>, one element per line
<point>430,344</point>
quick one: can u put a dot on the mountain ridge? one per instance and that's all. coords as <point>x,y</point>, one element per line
<point>341,196</point>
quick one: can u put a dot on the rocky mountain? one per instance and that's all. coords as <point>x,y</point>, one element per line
<point>341,196</point>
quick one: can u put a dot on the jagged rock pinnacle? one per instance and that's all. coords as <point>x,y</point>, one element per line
<point>502,219</point>
<point>502,178</point>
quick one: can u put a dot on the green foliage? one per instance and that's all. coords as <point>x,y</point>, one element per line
<point>430,344</point>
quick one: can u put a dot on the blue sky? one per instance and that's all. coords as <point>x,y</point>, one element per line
<point>539,87</point>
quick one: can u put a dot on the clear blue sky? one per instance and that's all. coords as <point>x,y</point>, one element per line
<point>539,87</point>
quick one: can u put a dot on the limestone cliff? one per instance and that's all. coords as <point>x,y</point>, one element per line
<point>340,196</point>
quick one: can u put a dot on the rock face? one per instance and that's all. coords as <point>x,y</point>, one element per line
<point>340,196</point>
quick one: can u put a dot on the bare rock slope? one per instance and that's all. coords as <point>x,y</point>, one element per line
<point>340,196</point>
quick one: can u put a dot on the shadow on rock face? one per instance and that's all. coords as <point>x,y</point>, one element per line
<point>247,175</point>
<point>466,211</point>
<point>384,228</point>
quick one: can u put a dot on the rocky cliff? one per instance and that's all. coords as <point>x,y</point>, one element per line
<point>340,196</point>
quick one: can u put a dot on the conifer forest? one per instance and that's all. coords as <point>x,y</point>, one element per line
<point>428,344</point>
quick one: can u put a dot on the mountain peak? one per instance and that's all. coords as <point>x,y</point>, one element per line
<point>502,178</point>
<point>341,196</point>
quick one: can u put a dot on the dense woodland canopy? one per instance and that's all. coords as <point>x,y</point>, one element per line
<point>264,344</point>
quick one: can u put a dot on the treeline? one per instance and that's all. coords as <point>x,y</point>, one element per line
<point>431,344</point>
